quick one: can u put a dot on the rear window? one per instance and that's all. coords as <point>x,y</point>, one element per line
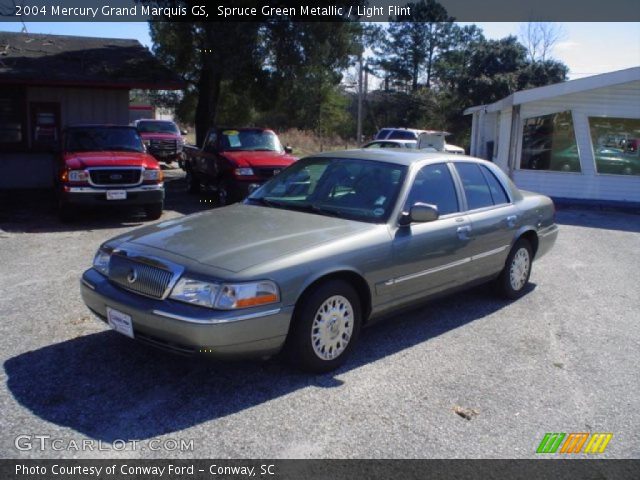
<point>382,134</point>
<point>475,186</point>
<point>402,135</point>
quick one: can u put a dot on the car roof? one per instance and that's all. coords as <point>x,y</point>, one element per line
<point>404,157</point>
<point>392,140</point>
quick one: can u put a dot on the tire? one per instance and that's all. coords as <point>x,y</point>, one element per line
<point>193,184</point>
<point>325,327</point>
<point>154,211</point>
<point>66,214</point>
<point>225,196</point>
<point>515,275</point>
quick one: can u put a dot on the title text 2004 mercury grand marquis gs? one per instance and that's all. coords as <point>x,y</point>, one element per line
<point>328,245</point>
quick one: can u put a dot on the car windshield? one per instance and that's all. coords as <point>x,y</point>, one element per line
<point>356,189</point>
<point>91,139</point>
<point>253,140</point>
<point>157,127</point>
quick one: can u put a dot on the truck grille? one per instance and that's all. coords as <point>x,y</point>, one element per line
<point>139,277</point>
<point>162,146</point>
<point>267,172</point>
<point>115,176</point>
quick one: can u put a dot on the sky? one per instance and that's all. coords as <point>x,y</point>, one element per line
<point>587,48</point>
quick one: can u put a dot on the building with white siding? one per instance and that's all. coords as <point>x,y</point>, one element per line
<point>48,82</point>
<point>573,140</point>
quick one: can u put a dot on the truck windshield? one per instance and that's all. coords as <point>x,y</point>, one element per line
<point>157,127</point>
<point>91,139</point>
<point>254,140</point>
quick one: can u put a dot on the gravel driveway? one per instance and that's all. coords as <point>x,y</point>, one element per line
<point>467,376</point>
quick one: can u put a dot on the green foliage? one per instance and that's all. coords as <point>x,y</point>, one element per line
<point>287,74</point>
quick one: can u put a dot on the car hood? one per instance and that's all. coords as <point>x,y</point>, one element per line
<point>81,160</point>
<point>240,236</point>
<point>259,159</point>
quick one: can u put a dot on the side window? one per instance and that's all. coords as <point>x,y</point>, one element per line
<point>402,135</point>
<point>433,185</point>
<point>475,186</point>
<point>497,191</point>
<point>210,142</point>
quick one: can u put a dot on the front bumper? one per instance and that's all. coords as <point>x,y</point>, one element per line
<point>95,196</point>
<point>187,329</point>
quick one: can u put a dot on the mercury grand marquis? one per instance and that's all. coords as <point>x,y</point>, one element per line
<point>332,243</point>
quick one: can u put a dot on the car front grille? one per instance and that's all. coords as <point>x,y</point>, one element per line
<point>162,145</point>
<point>139,277</point>
<point>115,176</point>
<point>267,172</point>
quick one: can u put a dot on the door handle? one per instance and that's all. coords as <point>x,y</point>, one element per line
<point>511,220</point>
<point>463,232</point>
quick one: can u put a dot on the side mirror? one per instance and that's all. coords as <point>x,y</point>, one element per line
<point>419,213</point>
<point>288,149</point>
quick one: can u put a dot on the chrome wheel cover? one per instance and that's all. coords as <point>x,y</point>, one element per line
<point>332,327</point>
<point>519,269</point>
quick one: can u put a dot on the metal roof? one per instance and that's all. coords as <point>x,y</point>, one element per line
<point>564,88</point>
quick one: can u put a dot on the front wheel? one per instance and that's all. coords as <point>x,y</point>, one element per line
<point>193,183</point>
<point>325,327</point>
<point>154,211</point>
<point>516,272</point>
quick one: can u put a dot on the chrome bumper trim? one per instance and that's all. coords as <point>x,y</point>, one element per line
<point>213,321</point>
<point>143,188</point>
<point>87,284</point>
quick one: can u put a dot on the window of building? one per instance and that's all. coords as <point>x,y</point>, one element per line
<point>12,117</point>
<point>549,143</point>
<point>615,145</point>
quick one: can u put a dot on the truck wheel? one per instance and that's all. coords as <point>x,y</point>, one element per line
<point>225,195</point>
<point>193,185</point>
<point>154,211</point>
<point>325,327</point>
<point>65,212</point>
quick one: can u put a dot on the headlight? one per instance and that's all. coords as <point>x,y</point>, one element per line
<point>243,172</point>
<point>225,296</point>
<point>242,295</point>
<point>153,175</point>
<point>78,176</point>
<point>101,261</point>
<point>196,292</point>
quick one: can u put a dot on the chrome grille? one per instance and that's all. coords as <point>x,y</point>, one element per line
<point>139,277</point>
<point>115,176</point>
<point>162,145</point>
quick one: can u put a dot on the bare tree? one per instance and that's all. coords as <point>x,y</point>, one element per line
<point>539,38</point>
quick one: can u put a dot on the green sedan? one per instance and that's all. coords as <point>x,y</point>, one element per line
<point>333,243</point>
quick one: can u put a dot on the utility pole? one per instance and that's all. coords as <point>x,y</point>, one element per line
<point>360,87</point>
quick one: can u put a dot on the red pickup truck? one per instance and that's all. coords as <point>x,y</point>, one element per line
<point>107,165</point>
<point>233,161</point>
<point>162,138</point>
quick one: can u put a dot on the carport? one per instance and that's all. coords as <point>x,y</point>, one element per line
<point>50,81</point>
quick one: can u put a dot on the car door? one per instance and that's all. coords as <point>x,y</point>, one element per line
<point>493,218</point>
<point>430,257</point>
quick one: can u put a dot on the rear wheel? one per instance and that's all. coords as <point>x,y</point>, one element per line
<point>325,327</point>
<point>515,275</point>
<point>154,211</point>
